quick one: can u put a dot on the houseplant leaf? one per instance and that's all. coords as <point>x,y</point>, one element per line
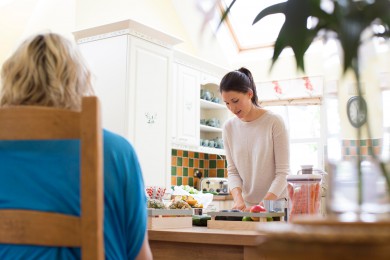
<point>294,32</point>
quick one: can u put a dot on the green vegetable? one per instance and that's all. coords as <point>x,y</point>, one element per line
<point>189,189</point>
<point>270,219</point>
<point>200,220</point>
<point>247,218</point>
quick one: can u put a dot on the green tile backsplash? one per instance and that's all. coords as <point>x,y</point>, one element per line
<point>184,163</point>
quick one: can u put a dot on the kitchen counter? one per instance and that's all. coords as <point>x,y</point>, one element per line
<point>204,243</point>
<point>306,240</point>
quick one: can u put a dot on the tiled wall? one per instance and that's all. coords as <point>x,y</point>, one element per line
<point>184,163</point>
<point>367,148</point>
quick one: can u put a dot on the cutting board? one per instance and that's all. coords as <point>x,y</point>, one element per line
<point>241,225</point>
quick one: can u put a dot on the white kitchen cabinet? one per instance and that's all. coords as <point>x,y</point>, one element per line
<point>212,110</point>
<point>110,74</point>
<point>187,88</point>
<point>192,75</point>
<point>132,67</point>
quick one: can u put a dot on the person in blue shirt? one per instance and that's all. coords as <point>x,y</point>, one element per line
<point>48,70</point>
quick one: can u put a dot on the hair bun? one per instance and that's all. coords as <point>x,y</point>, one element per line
<point>247,73</point>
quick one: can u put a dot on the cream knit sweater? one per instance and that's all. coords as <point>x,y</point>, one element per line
<point>257,154</point>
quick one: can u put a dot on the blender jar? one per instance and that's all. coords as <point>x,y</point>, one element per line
<point>304,194</point>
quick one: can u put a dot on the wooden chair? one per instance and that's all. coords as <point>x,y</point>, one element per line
<point>54,229</point>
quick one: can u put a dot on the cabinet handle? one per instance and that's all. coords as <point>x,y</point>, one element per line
<point>188,105</point>
<point>150,118</point>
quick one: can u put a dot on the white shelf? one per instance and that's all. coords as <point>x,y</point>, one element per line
<point>210,105</point>
<point>206,128</point>
<point>199,149</point>
<point>209,150</point>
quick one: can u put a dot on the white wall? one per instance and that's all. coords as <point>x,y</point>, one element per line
<point>176,17</point>
<point>179,18</point>
<point>21,18</point>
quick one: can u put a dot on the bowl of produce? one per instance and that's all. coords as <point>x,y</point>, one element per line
<point>179,204</point>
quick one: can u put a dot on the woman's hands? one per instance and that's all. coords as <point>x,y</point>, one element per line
<point>239,202</point>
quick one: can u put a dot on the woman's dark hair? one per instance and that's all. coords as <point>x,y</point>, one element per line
<point>240,80</point>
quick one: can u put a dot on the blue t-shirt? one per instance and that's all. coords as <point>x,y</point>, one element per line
<point>44,175</point>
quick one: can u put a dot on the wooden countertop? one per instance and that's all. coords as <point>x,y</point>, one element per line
<point>203,235</point>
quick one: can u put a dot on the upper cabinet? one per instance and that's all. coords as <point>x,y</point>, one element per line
<point>198,111</point>
<point>186,92</point>
<point>132,67</point>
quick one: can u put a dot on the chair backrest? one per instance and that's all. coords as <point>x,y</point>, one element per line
<point>54,229</point>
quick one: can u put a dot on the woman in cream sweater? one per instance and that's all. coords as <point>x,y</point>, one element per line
<point>256,144</point>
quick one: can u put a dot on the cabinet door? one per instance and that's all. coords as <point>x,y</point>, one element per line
<point>149,114</point>
<point>107,59</point>
<point>187,109</point>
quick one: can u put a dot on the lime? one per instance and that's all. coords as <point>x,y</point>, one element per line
<point>247,218</point>
<point>270,219</point>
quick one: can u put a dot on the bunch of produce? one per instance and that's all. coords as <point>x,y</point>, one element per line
<point>179,204</point>
<point>155,204</point>
<point>304,199</point>
<point>190,200</point>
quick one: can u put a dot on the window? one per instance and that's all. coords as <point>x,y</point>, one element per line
<point>299,102</point>
<point>246,35</point>
<point>304,126</point>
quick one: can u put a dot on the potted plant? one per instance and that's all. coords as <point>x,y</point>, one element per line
<point>348,21</point>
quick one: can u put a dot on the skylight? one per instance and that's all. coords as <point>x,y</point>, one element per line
<point>240,19</point>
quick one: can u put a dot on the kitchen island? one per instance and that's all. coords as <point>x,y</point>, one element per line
<point>302,240</point>
<point>203,243</point>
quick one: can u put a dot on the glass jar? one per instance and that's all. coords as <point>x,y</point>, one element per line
<point>304,195</point>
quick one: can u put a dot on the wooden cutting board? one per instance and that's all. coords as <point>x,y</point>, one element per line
<point>241,225</point>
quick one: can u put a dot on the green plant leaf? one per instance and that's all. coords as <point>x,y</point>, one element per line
<point>294,32</point>
<point>225,14</point>
<point>351,20</point>
<point>273,9</point>
<point>347,21</point>
<point>379,9</point>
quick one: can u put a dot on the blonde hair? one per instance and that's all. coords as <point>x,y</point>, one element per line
<point>46,70</point>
